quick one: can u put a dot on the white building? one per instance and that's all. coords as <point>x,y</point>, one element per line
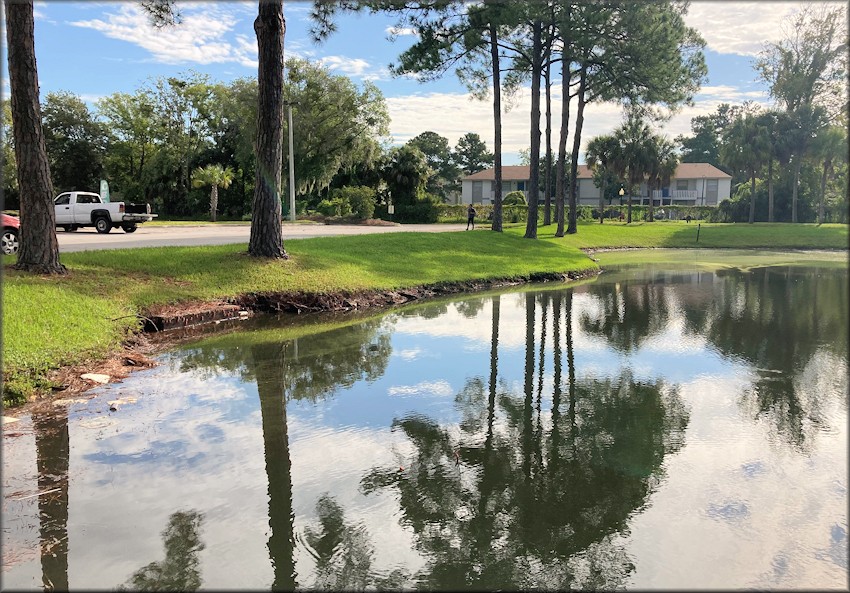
<point>694,184</point>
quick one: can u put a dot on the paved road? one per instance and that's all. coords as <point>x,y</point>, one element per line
<point>86,239</point>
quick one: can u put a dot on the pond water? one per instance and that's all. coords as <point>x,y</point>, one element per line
<point>653,428</point>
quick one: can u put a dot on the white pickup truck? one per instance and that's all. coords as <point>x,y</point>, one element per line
<point>76,209</point>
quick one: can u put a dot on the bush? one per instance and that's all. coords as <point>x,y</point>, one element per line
<point>360,200</point>
<point>423,211</point>
<point>514,198</point>
<point>334,207</point>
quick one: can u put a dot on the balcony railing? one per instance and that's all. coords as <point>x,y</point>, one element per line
<point>677,194</point>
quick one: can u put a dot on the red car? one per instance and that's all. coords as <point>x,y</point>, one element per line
<point>9,242</point>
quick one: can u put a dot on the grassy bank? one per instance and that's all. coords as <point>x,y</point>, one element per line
<point>51,322</point>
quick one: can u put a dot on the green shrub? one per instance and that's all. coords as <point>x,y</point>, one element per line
<point>334,207</point>
<point>514,198</point>
<point>360,200</point>
<point>423,211</point>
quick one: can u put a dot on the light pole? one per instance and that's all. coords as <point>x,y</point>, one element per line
<point>289,105</point>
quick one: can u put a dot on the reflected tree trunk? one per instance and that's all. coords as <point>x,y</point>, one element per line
<point>556,394</point>
<point>571,369</point>
<point>541,367</point>
<point>52,453</point>
<point>529,384</point>
<point>484,532</point>
<point>271,387</point>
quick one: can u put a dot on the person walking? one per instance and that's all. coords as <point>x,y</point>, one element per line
<point>470,217</point>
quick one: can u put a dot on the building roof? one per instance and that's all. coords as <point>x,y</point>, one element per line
<point>699,170</point>
<point>521,172</point>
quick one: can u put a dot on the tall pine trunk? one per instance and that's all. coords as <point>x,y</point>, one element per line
<point>547,188</point>
<point>571,224</point>
<point>266,239</point>
<point>561,169</point>
<point>39,248</point>
<point>798,161</point>
<point>534,175</point>
<point>497,130</point>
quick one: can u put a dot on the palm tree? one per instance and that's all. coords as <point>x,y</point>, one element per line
<point>828,147</point>
<point>635,154</point>
<point>215,176</point>
<point>746,148</point>
<point>662,166</point>
<point>601,158</point>
<point>406,174</point>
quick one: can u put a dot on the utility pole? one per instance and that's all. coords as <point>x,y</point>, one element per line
<point>289,105</point>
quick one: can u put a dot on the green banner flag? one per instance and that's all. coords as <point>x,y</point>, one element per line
<point>104,190</point>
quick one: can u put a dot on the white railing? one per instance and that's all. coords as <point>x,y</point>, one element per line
<point>684,194</point>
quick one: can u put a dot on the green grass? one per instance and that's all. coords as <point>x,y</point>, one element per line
<point>711,235</point>
<point>54,321</point>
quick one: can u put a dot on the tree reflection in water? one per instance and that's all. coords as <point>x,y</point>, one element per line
<point>179,570</point>
<point>52,459</point>
<point>508,517</point>
<point>344,553</point>
<point>793,334</point>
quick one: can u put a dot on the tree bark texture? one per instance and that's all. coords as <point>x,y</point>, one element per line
<point>560,173</point>
<point>534,175</point>
<point>39,248</point>
<point>266,239</point>
<point>497,125</point>
<point>213,202</point>
<point>547,189</point>
<point>571,223</point>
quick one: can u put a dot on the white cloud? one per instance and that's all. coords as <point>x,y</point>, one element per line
<point>401,31</point>
<point>741,27</point>
<point>410,354</point>
<point>441,388</point>
<point>454,114</point>
<point>348,66</point>
<point>200,38</point>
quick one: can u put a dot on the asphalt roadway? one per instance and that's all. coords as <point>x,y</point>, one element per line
<point>87,239</point>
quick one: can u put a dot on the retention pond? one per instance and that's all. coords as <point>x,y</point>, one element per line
<point>670,425</point>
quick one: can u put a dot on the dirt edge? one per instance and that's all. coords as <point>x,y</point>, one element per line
<point>138,350</point>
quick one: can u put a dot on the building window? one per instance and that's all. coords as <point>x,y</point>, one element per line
<point>477,190</point>
<point>520,185</point>
<point>681,184</point>
<point>711,191</point>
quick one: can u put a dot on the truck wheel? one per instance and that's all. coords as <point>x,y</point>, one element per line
<point>9,243</point>
<point>103,225</point>
<point>130,227</point>
<point>69,228</point>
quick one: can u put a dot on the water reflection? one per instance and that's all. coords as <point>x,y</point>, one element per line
<point>791,326</point>
<point>269,367</point>
<point>501,515</point>
<point>537,439</point>
<point>179,571</point>
<point>52,453</point>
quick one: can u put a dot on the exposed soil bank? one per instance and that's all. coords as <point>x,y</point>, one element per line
<point>168,325</point>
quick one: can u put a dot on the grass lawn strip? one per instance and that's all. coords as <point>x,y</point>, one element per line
<point>52,322</point>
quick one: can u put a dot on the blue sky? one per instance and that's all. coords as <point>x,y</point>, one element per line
<point>94,49</point>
